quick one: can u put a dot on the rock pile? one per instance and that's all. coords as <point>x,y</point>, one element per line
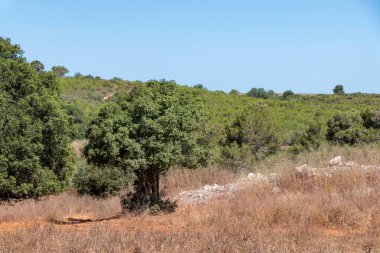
<point>206,193</point>
<point>304,171</point>
<point>212,191</point>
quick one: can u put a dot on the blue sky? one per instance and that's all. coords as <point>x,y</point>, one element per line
<point>305,46</point>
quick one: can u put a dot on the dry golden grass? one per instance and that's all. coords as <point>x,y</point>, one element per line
<point>57,207</point>
<point>182,179</point>
<point>322,214</point>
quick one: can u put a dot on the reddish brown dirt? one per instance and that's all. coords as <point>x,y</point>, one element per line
<point>132,223</point>
<point>170,223</point>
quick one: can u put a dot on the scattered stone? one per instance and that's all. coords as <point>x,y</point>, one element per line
<point>208,192</point>
<point>351,164</point>
<point>306,170</point>
<point>276,189</point>
<point>258,178</point>
<point>262,178</point>
<point>336,161</point>
<point>251,176</point>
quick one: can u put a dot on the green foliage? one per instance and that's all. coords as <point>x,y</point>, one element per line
<point>252,133</point>
<point>234,92</point>
<point>9,50</point>
<point>85,97</point>
<point>200,86</point>
<point>100,182</point>
<point>307,139</point>
<point>37,65</point>
<point>371,119</point>
<point>146,131</point>
<point>339,89</point>
<point>350,129</point>
<point>60,70</point>
<point>260,93</point>
<point>288,93</point>
<point>34,151</point>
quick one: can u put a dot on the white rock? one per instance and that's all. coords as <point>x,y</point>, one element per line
<point>206,187</point>
<point>336,161</point>
<point>251,176</point>
<point>261,178</point>
<point>306,170</point>
<point>351,164</point>
<point>303,168</point>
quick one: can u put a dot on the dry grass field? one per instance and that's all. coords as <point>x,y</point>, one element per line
<point>317,214</point>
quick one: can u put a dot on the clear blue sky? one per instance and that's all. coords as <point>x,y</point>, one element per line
<point>306,46</point>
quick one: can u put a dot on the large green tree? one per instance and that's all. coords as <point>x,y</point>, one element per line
<point>34,150</point>
<point>144,133</point>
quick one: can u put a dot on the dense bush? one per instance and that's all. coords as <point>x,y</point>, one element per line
<point>260,93</point>
<point>308,138</point>
<point>100,182</point>
<point>251,135</point>
<point>60,70</point>
<point>350,129</point>
<point>34,150</point>
<point>288,93</point>
<point>339,89</point>
<point>234,92</point>
<point>371,119</point>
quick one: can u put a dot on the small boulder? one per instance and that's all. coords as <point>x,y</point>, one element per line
<point>207,187</point>
<point>306,170</point>
<point>261,178</point>
<point>351,164</point>
<point>336,162</point>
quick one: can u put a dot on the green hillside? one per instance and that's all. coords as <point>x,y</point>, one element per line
<point>84,97</point>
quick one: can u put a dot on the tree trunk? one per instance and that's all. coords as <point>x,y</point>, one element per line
<point>148,183</point>
<point>147,193</point>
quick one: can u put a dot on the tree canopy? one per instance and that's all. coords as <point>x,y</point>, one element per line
<point>37,65</point>
<point>288,93</point>
<point>60,70</point>
<point>145,132</point>
<point>260,93</point>
<point>34,150</point>
<point>339,89</point>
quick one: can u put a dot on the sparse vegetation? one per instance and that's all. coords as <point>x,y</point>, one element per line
<point>337,215</point>
<point>140,138</point>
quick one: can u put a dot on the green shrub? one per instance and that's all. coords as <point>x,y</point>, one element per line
<point>371,119</point>
<point>339,89</point>
<point>350,129</point>
<point>100,181</point>
<point>251,135</point>
<point>288,93</point>
<point>35,156</point>
<point>307,139</point>
<point>260,93</point>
